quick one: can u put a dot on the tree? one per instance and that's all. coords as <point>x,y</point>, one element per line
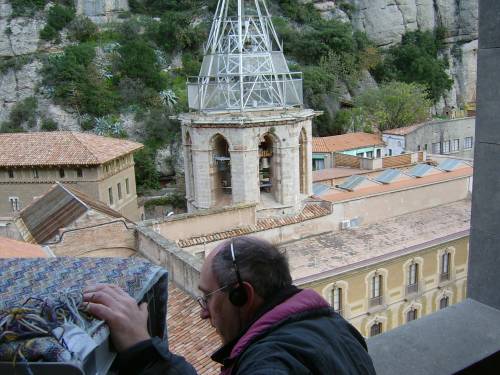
<point>416,60</point>
<point>394,105</point>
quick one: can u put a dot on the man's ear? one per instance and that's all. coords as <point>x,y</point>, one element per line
<point>254,301</point>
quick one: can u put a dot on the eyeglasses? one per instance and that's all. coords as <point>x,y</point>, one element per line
<point>203,300</point>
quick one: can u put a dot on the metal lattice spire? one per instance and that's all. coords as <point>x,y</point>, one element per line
<point>243,65</point>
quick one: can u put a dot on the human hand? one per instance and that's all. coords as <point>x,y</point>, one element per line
<point>126,320</point>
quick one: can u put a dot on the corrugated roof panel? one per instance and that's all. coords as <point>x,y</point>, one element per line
<point>449,165</point>
<point>420,170</point>
<point>387,176</point>
<point>319,189</point>
<point>352,182</point>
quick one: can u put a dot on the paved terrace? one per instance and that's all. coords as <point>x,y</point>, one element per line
<point>333,253</point>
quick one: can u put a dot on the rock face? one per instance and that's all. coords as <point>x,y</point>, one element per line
<point>17,85</point>
<point>385,22</point>
<point>101,11</point>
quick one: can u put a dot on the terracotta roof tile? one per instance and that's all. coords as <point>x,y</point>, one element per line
<point>16,249</point>
<point>188,335</point>
<point>309,212</point>
<point>60,148</point>
<point>346,142</point>
<point>404,130</point>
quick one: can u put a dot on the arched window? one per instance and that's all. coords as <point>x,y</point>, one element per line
<point>376,329</point>
<point>376,290</point>
<point>445,266</point>
<point>412,314</point>
<point>412,286</point>
<point>443,302</point>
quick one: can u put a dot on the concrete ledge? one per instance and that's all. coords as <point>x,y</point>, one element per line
<point>445,342</point>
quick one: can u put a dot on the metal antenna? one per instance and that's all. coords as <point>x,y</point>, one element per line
<point>243,65</point>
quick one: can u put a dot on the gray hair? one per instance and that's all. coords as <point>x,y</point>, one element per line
<point>260,263</point>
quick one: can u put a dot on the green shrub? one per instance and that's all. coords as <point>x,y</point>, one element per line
<point>416,60</point>
<point>23,112</point>
<point>76,82</point>
<point>15,62</point>
<point>146,175</point>
<point>48,33</point>
<point>26,7</point>
<point>82,29</point>
<point>174,200</point>
<point>49,125</point>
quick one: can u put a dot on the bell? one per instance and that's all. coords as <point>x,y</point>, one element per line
<point>265,162</point>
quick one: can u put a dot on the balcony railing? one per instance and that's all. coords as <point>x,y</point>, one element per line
<point>412,288</point>
<point>375,301</point>
<point>444,276</point>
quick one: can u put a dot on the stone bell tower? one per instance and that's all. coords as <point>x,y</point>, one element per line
<point>247,138</point>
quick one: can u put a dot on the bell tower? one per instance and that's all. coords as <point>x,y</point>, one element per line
<point>247,137</point>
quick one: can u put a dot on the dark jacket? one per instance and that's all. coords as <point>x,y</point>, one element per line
<point>300,334</point>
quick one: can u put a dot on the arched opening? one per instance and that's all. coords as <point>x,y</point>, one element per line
<point>189,173</point>
<point>266,164</point>
<point>302,162</point>
<point>221,171</point>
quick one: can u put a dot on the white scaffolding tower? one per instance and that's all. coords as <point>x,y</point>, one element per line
<point>243,65</point>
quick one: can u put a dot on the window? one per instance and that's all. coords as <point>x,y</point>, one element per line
<point>360,154</point>
<point>455,145</point>
<point>337,300</point>
<point>379,153</point>
<point>376,329</point>
<point>110,194</point>
<point>390,152</point>
<point>412,286</point>
<point>369,154</point>
<point>119,186</point>
<point>318,164</point>
<point>445,267</point>
<point>418,148</point>
<point>11,173</point>
<point>376,291</point>
<point>35,173</point>
<point>443,302</point>
<point>15,205</point>
<point>436,148</point>
<point>468,142</point>
<point>446,147</point>
<point>127,186</point>
<point>411,315</point>
<point>79,172</point>
<point>425,147</point>
<point>61,172</point>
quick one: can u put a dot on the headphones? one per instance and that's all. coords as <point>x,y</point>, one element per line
<point>238,294</point>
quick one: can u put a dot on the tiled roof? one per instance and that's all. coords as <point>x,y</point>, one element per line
<point>338,195</point>
<point>189,335</point>
<point>56,209</point>
<point>344,142</point>
<point>16,249</point>
<point>60,148</point>
<point>310,211</point>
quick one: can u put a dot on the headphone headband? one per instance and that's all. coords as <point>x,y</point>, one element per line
<point>238,295</point>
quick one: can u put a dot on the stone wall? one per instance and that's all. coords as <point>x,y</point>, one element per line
<point>116,239</point>
<point>101,11</point>
<point>183,268</point>
<point>204,222</point>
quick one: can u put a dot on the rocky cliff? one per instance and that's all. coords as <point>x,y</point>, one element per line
<point>385,21</point>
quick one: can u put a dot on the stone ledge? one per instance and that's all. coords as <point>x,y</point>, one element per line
<point>444,342</point>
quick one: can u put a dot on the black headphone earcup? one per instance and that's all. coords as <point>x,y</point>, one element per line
<point>238,296</point>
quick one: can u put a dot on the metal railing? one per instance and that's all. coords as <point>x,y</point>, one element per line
<point>444,276</point>
<point>412,288</point>
<point>374,301</point>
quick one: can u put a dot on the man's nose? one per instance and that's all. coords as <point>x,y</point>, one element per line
<point>204,314</point>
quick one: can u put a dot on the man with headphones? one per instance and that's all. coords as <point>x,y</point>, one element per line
<point>267,325</point>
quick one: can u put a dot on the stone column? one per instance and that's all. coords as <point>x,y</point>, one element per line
<point>245,175</point>
<point>201,176</point>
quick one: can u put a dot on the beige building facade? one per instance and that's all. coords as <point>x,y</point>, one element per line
<point>389,293</point>
<point>100,167</point>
